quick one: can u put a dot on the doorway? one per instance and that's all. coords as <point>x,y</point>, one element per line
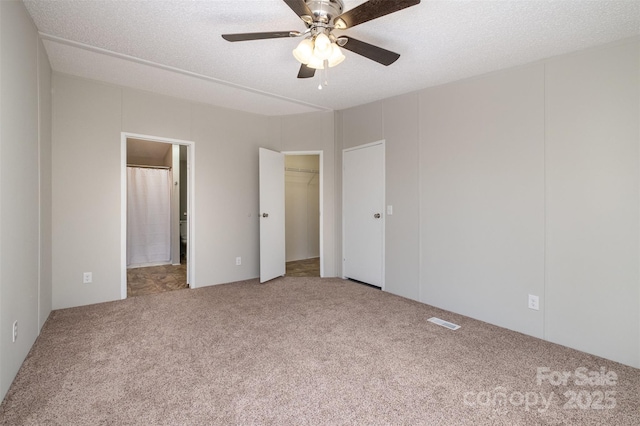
<point>302,215</point>
<point>272,210</point>
<point>157,182</point>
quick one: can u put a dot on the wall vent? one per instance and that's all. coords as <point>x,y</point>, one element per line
<point>447,324</point>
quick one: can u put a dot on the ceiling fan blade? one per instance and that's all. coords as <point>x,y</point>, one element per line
<point>306,72</point>
<point>375,53</point>
<point>370,10</point>
<point>301,9</point>
<point>260,36</point>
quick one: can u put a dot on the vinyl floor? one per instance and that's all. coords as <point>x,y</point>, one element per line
<point>156,279</point>
<point>304,268</point>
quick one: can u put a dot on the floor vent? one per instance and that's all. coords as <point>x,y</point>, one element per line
<point>447,324</point>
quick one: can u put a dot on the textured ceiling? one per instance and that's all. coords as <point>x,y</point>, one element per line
<point>174,47</point>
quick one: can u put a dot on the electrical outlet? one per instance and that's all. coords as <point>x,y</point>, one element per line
<point>15,331</point>
<point>87,277</point>
<point>534,302</point>
<point>238,261</point>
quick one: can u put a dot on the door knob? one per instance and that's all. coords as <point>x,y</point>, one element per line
<point>377,215</point>
<point>265,214</point>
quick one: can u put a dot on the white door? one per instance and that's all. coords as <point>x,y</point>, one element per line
<point>363,220</point>
<point>272,238</point>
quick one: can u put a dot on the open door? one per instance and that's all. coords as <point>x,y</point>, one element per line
<point>272,224</point>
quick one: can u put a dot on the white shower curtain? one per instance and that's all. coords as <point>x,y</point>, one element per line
<point>148,216</point>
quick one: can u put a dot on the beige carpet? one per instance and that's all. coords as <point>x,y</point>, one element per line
<point>303,351</point>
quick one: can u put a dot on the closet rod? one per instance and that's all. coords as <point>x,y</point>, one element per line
<point>294,169</point>
<point>142,166</point>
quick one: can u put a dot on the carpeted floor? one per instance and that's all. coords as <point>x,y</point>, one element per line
<point>304,351</point>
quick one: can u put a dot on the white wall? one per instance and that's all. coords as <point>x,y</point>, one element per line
<point>402,239</point>
<point>44,145</point>
<point>25,196</point>
<point>315,132</point>
<point>396,121</point>
<point>527,183</point>
<point>88,119</point>
<point>86,191</point>
<point>227,145</point>
<point>302,214</point>
<point>592,202</point>
<point>482,197</point>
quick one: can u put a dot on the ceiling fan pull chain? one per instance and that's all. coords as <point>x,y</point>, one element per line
<point>324,75</point>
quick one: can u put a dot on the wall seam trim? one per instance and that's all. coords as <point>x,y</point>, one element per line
<point>39,120</point>
<point>419,160</point>
<point>544,202</point>
<point>638,63</point>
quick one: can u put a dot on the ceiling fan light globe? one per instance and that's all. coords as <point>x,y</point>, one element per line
<point>323,54</point>
<point>316,63</point>
<point>323,47</point>
<point>322,41</point>
<point>304,51</point>
<point>336,57</point>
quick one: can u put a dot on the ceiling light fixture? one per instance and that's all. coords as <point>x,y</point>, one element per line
<point>319,52</point>
<point>314,51</point>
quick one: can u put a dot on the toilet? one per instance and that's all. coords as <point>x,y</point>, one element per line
<point>184,233</point>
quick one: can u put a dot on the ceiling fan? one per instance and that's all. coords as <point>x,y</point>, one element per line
<point>320,48</point>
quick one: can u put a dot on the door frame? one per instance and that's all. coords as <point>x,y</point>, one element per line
<point>320,155</point>
<point>191,278</point>
<point>384,198</point>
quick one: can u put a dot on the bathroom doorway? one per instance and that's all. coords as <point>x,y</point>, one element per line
<point>302,214</point>
<point>157,182</point>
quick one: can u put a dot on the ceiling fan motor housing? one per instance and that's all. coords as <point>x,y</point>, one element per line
<point>324,11</point>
